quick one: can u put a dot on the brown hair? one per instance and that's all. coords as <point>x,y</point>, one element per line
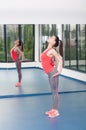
<point>60,44</point>
<point>61,48</point>
<point>21,45</point>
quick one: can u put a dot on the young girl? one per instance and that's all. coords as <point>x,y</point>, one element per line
<point>52,66</point>
<point>17,56</point>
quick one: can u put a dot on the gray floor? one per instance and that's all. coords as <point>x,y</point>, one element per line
<point>34,81</point>
<point>23,108</point>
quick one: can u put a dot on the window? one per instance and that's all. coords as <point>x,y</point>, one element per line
<point>74,38</point>
<point>11,36</point>
<point>81,47</point>
<point>2,46</point>
<point>29,41</point>
<point>11,32</point>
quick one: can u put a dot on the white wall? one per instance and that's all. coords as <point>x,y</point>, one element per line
<point>37,44</point>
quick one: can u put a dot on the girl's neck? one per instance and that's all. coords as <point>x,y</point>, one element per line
<point>49,46</point>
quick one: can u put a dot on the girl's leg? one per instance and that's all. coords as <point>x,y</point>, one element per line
<point>18,67</point>
<point>55,97</point>
<point>54,89</point>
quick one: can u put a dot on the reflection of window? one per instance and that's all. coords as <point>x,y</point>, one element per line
<point>2,53</point>
<point>72,43</point>
<point>11,36</point>
<point>9,33</point>
<point>28,39</point>
<point>81,47</point>
<point>74,38</point>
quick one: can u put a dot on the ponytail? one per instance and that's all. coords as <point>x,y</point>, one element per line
<point>21,45</point>
<point>61,48</point>
<point>59,44</point>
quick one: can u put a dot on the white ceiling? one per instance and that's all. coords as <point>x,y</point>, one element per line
<point>42,11</point>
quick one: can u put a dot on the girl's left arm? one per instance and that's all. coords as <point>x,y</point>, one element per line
<point>21,53</point>
<point>59,62</point>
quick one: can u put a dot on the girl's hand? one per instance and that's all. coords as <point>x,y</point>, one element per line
<point>55,74</point>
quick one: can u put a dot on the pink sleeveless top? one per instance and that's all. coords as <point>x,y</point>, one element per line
<point>14,55</point>
<point>46,61</point>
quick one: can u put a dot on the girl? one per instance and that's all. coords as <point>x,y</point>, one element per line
<point>52,65</point>
<point>17,56</point>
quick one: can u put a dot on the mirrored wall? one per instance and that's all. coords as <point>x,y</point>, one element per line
<point>9,33</point>
<point>74,39</point>
<point>72,35</point>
